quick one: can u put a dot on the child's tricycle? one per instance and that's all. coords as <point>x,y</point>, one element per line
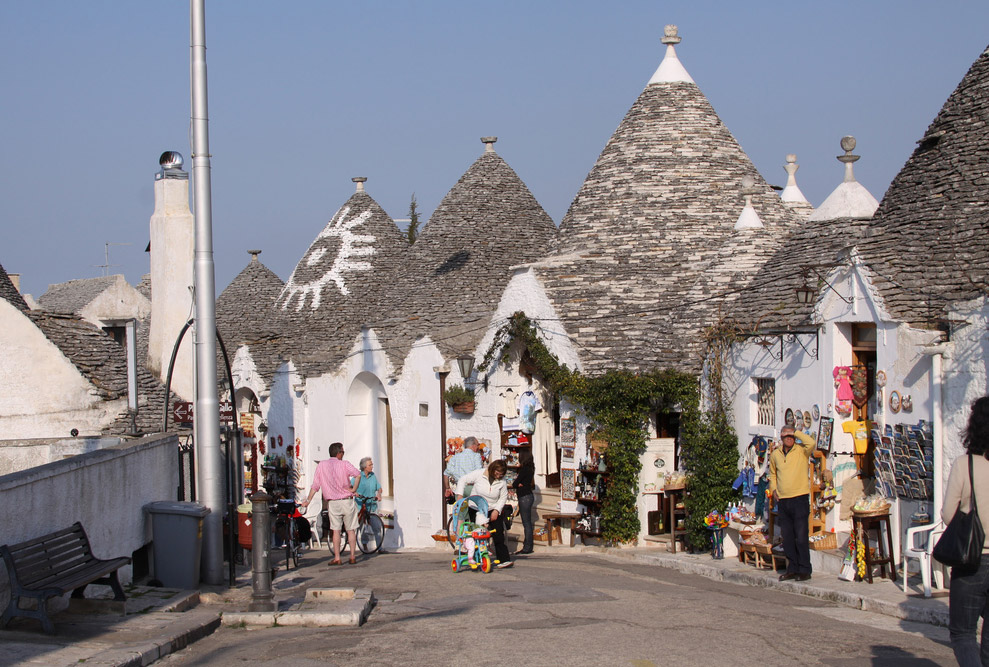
<point>471,540</point>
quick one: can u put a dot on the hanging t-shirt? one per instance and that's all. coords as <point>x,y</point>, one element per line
<point>508,405</point>
<point>529,405</point>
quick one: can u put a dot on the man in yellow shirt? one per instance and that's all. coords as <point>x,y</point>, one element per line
<point>789,484</point>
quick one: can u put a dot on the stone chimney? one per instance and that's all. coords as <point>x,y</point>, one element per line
<point>172,275</point>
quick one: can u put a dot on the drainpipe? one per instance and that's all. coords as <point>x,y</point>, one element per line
<point>443,371</point>
<point>937,353</point>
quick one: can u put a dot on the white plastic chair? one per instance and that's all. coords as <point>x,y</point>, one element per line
<point>314,523</point>
<point>923,554</point>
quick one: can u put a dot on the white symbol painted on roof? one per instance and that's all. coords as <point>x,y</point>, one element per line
<point>339,234</point>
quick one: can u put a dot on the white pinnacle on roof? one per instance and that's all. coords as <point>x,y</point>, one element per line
<point>670,69</point>
<point>850,199</point>
<point>792,193</point>
<point>748,219</point>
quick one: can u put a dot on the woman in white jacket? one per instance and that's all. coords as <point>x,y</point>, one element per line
<point>490,484</point>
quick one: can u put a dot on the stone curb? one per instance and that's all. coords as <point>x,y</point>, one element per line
<point>901,610</point>
<point>188,627</point>
<point>323,608</point>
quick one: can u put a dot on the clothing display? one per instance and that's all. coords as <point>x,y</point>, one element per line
<point>544,445</point>
<point>529,407</point>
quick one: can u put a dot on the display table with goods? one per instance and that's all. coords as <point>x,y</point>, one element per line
<point>872,515</point>
<point>591,487</point>
<point>673,493</point>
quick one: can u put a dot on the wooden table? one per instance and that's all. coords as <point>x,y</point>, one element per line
<point>560,517</point>
<point>862,525</point>
<point>671,499</point>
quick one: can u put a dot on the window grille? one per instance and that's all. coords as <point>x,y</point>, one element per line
<point>765,401</point>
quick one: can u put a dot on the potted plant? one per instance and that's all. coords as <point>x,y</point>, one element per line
<point>459,398</point>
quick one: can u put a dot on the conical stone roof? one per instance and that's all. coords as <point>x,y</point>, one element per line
<point>649,220</point>
<point>343,280</point>
<point>928,242</point>
<point>9,293</point>
<point>458,267</point>
<point>245,314</point>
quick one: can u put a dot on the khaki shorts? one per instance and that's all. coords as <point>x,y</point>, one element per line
<point>343,513</point>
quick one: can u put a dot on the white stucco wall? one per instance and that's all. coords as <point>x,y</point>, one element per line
<point>172,269</point>
<point>802,381</point>
<point>127,477</point>
<point>17,455</point>
<point>120,301</point>
<point>42,394</point>
<point>964,371</point>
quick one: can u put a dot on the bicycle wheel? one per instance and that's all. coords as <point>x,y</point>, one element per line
<point>289,529</point>
<point>370,534</point>
<point>296,547</point>
<point>451,535</point>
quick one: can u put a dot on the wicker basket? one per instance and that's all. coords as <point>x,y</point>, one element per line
<point>826,542</point>
<point>875,512</point>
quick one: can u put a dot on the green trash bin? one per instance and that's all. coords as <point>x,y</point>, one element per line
<point>177,535</point>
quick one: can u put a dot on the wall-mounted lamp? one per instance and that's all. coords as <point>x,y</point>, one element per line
<point>805,293</point>
<point>465,363</point>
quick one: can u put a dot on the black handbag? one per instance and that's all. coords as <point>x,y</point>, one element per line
<point>960,545</point>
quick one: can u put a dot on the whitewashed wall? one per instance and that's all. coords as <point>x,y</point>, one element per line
<point>120,301</point>
<point>172,265</point>
<point>42,394</point>
<point>802,381</point>
<point>105,490</point>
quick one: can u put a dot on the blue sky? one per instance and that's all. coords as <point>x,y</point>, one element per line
<point>306,94</point>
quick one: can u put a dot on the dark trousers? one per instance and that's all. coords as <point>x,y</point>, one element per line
<point>525,509</point>
<point>793,514</point>
<point>497,528</point>
<point>969,601</point>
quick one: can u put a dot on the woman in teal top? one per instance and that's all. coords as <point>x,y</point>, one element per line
<point>369,489</point>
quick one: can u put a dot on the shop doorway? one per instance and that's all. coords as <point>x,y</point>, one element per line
<point>864,359</point>
<point>368,428</point>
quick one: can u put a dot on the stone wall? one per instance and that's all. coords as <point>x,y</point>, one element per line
<point>105,490</point>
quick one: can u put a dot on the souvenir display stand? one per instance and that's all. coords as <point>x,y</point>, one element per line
<point>881,555</point>
<point>591,488</point>
<point>672,500</point>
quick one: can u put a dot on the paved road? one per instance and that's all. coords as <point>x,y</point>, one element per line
<point>554,609</point>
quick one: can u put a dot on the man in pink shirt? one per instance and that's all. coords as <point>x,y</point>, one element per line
<point>333,477</point>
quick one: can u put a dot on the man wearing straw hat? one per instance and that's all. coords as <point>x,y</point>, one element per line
<point>789,486</point>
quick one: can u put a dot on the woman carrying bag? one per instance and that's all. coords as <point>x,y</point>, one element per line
<point>969,597</point>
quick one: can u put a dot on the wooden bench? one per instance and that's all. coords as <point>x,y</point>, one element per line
<point>52,565</point>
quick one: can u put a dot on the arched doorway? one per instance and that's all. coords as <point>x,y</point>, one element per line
<point>368,429</point>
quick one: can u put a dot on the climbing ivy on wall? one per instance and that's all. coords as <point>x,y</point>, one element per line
<point>620,403</point>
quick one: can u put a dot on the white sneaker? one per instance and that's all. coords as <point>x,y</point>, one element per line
<point>505,564</point>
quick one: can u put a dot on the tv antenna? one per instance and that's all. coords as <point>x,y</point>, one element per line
<point>106,265</point>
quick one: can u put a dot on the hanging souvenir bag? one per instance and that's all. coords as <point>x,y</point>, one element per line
<point>961,543</point>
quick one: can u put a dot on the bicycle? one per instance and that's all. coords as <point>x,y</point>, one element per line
<point>370,530</point>
<point>285,511</point>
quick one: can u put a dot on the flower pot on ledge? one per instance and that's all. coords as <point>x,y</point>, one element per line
<point>466,408</point>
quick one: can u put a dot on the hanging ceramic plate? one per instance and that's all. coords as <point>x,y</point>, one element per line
<point>880,378</point>
<point>798,419</point>
<point>788,417</point>
<point>817,412</point>
<point>807,420</point>
<point>894,401</point>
